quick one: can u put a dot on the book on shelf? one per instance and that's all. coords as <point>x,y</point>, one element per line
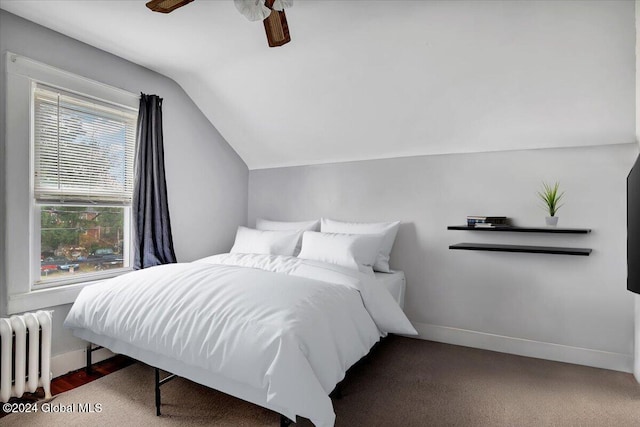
<point>485,218</point>
<point>473,220</point>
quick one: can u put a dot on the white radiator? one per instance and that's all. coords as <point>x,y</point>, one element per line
<point>23,337</point>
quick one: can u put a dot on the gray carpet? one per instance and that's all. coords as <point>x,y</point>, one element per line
<point>406,382</point>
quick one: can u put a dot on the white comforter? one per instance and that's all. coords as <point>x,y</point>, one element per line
<point>286,327</point>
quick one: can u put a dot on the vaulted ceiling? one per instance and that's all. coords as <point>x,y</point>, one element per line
<point>376,79</point>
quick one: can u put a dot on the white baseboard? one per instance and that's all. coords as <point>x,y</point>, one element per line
<point>523,347</point>
<point>64,363</point>
<point>73,360</point>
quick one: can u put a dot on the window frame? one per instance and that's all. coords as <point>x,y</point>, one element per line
<point>22,210</point>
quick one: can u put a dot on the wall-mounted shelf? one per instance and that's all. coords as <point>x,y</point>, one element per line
<point>519,248</point>
<point>555,230</point>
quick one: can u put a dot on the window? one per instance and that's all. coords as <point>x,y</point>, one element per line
<point>76,208</point>
<point>83,153</point>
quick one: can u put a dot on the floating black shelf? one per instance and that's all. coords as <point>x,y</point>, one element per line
<point>519,248</point>
<point>554,230</point>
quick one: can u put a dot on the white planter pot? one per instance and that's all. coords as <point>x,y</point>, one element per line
<point>551,221</point>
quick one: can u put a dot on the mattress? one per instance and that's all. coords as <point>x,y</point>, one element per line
<point>395,284</point>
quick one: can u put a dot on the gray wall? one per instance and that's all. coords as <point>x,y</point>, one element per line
<point>207,181</point>
<point>579,302</point>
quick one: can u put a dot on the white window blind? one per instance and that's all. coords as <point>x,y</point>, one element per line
<point>84,148</point>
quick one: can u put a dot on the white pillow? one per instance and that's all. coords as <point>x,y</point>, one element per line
<point>358,252</point>
<point>388,229</point>
<point>301,226</point>
<point>250,241</point>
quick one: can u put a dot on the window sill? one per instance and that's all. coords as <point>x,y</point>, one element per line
<point>49,297</point>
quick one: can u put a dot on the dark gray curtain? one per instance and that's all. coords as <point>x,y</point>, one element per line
<point>153,241</point>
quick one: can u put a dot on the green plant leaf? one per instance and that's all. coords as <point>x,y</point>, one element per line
<point>551,197</point>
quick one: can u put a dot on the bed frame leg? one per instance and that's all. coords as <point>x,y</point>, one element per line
<point>160,382</point>
<point>284,421</point>
<point>90,349</point>
<point>157,392</point>
<point>88,369</point>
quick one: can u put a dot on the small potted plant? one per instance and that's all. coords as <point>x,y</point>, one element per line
<point>551,197</point>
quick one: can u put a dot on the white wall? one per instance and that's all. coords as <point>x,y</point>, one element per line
<point>510,75</point>
<point>206,179</point>
<point>570,308</point>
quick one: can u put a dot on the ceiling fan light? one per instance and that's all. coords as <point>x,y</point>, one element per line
<point>166,6</point>
<point>282,4</point>
<point>253,10</point>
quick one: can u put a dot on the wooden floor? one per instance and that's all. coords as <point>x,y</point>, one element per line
<point>76,379</point>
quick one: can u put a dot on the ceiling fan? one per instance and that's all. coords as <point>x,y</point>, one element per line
<point>271,12</point>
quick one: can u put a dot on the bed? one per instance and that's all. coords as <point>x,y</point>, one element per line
<point>262,328</point>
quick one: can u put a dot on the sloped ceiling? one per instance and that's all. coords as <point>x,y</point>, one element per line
<point>376,79</point>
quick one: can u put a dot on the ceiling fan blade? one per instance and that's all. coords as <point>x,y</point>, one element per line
<point>166,6</point>
<point>276,27</point>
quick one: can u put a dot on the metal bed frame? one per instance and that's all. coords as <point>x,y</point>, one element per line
<point>284,421</point>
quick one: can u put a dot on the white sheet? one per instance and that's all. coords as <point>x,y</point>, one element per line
<point>395,283</point>
<point>276,331</point>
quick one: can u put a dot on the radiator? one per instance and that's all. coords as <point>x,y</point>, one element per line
<point>25,354</point>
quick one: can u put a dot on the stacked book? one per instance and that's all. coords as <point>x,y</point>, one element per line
<point>487,221</point>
